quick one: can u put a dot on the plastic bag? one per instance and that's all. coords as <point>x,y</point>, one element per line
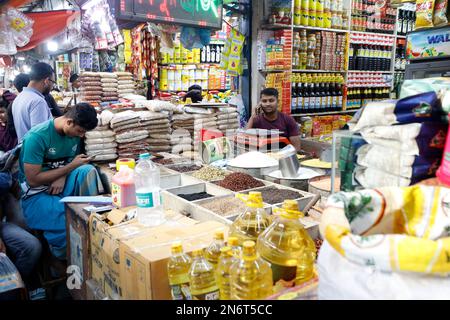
<point>7,45</point>
<point>424,11</point>
<point>21,27</point>
<point>440,12</point>
<point>9,275</point>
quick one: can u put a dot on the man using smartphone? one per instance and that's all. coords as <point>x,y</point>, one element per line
<point>52,168</point>
<point>268,117</point>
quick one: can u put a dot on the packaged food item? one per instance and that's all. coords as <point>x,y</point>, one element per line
<point>440,12</point>
<point>424,12</point>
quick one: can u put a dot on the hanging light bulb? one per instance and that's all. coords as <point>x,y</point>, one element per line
<point>52,46</point>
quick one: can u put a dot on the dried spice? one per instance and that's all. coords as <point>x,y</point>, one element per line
<point>225,206</point>
<point>273,195</point>
<point>195,196</point>
<point>210,174</point>
<point>185,168</point>
<point>238,181</point>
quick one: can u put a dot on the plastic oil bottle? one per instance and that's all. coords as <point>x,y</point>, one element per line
<point>288,247</point>
<point>251,276</point>
<point>226,259</point>
<point>202,278</point>
<point>178,273</point>
<point>212,253</point>
<point>233,243</point>
<point>253,221</point>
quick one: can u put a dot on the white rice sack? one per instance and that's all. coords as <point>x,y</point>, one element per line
<point>105,157</point>
<point>99,134</point>
<point>100,140</point>
<point>101,146</point>
<point>107,75</point>
<point>104,151</point>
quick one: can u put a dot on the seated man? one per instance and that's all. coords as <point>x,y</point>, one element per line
<point>50,169</point>
<point>268,117</point>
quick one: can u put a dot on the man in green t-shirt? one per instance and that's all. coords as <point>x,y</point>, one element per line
<point>52,168</point>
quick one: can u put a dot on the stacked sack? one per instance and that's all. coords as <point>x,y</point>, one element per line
<point>109,86</point>
<point>130,137</point>
<point>227,119</point>
<point>126,84</point>
<point>182,132</point>
<point>157,125</point>
<point>91,87</point>
<point>100,143</point>
<point>401,143</point>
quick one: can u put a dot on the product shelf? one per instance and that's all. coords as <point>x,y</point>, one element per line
<point>324,113</point>
<point>317,71</point>
<point>374,33</point>
<point>276,26</point>
<point>367,71</point>
<point>321,29</point>
<point>274,70</point>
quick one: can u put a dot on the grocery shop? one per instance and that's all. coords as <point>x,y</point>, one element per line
<point>224,150</point>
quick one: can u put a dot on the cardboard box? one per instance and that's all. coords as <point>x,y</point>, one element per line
<point>143,275</point>
<point>105,240</point>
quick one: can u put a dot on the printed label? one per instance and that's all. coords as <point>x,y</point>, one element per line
<point>148,199</point>
<point>181,291</point>
<point>115,191</point>
<point>207,296</point>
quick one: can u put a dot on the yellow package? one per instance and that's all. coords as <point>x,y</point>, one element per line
<point>424,11</point>
<point>440,12</point>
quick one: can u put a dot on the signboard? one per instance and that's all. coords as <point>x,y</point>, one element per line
<point>428,43</point>
<point>195,13</point>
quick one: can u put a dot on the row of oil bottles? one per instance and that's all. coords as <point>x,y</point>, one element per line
<point>261,257</point>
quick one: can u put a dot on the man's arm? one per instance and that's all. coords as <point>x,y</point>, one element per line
<point>250,122</point>
<point>36,177</point>
<point>295,141</point>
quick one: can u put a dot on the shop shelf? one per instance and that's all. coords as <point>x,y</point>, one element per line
<point>274,70</point>
<point>321,29</point>
<point>317,71</point>
<point>374,33</point>
<point>367,71</point>
<point>324,113</point>
<point>276,26</point>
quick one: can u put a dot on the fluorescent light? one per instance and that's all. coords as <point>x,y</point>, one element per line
<point>21,58</point>
<point>52,46</point>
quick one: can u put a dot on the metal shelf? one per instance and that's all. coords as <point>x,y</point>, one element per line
<point>274,71</point>
<point>401,37</point>
<point>317,71</point>
<point>366,71</point>
<point>324,113</point>
<point>276,26</point>
<point>321,29</point>
<point>374,33</point>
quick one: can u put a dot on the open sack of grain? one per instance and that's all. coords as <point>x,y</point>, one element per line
<point>387,243</point>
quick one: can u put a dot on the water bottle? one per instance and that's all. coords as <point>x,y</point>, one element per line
<point>148,194</point>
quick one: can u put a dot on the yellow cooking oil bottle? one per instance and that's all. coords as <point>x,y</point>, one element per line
<point>288,247</point>
<point>233,243</point>
<point>212,253</point>
<point>178,273</point>
<point>251,276</point>
<point>226,259</point>
<point>253,221</point>
<point>202,278</point>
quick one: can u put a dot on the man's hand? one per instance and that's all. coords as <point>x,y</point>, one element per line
<point>57,186</point>
<point>2,247</point>
<point>80,160</point>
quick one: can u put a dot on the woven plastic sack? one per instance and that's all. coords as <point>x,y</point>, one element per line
<point>9,276</point>
<point>387,243</point>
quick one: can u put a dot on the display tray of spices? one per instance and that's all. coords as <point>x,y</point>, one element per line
<point>195,196</point>
<point>183,168</point>
<point>209,173</point>
<point>224,206</point>
<point>238,181</point>
<point>274,195</point>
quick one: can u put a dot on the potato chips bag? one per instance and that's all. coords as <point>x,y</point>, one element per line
<point>440,12</point>
<point>424,10</point>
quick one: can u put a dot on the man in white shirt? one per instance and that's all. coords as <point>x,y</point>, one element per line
<point>30,108</point>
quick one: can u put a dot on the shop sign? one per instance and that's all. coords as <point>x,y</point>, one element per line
<point>196,13</point>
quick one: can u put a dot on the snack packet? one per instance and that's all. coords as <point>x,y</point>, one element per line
<point>424,10</point>
<point>440,12</point>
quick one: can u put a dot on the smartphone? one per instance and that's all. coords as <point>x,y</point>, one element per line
<point>94,154</point>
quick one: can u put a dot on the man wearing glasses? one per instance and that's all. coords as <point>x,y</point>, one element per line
<point>30,108</point>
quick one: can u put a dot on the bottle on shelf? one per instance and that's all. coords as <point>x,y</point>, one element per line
<point>178,273</point>
<point>212,253</point>
<point>233,243</point>
<point>223,271</point>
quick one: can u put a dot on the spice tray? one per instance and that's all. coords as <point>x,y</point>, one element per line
<point>210,181</point>
<point>171,168</point>
<point>230,217</point>
<point>302,202</point>
<point>266,184</point>
<point>171,200</point>
<point>177,180</point>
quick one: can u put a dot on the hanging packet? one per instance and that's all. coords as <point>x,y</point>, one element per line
<point>440,12</point>
<point>424,11</point>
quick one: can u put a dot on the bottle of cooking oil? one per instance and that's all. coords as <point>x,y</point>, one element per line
<point>233,243</point>
<point>288,247</point>
<point>251,276</point>
<point>178,273</point>
<point>202,278</point>
<point>212,253</point>
<point>226,259</point>
<point>253,221</point>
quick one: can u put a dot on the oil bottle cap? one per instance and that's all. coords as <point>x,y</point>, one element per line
<point>249,250</point>
<point>232,241</point>
<point>218,235</point>
<point>252,200</point>
<point>226,250</point>
<point>177,247</point>
<point>197,253</point>
<point>290,210</point>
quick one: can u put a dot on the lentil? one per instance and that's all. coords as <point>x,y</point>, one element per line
<point>210,174</point>
<point>273,195</point>
<point>225,206</point>
<point>238,181</point>
<point>195,196</point>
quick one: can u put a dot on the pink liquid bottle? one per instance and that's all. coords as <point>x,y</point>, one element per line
<point>123,189</point>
